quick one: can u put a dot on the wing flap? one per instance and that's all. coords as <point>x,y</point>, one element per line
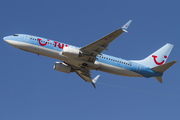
<point>84,75</point>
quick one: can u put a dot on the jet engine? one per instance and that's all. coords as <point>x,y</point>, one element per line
<point>62,67</point>
<point>71,52</point>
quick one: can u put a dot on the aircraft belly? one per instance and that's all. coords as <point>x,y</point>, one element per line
<point>117,70</point>
<point>41,50</point>
<point>78,63</point>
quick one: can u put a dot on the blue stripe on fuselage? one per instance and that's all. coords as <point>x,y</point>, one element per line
<point>128,65</point>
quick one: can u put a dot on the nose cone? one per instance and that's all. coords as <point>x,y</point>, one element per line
<point>10,41</point>
<point>7,39</point>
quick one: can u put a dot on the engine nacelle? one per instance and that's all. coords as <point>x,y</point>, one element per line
<point>62,67</point>
<point>71,52</point>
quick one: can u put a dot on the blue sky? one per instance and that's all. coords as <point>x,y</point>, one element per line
<point>31,90</point>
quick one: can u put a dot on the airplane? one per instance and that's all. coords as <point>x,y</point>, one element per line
<point>90,57</point>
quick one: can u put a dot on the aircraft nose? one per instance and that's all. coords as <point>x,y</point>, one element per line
<point>5,38</point>
<point>8,39</point>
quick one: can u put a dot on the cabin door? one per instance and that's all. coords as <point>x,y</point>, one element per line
<point>138,68</point>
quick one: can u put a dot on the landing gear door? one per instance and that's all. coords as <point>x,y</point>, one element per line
<point>26,38</point>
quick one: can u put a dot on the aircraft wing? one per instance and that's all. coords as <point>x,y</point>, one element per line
<point>95,48</point>
<point>82,72</point>
<point>86,76</point>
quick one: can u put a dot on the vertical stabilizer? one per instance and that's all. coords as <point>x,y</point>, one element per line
<point>157,58</point>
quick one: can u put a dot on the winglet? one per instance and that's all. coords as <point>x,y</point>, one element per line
<point>94,81</point>
<point>124,27</point>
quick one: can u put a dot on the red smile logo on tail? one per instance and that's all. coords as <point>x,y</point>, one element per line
<point>158,63</point>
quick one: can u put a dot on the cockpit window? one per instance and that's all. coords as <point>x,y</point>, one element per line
<point>15,35</point>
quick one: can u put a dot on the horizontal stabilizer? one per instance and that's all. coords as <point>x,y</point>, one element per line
<point>159,79</point>
<point>164,67</point>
